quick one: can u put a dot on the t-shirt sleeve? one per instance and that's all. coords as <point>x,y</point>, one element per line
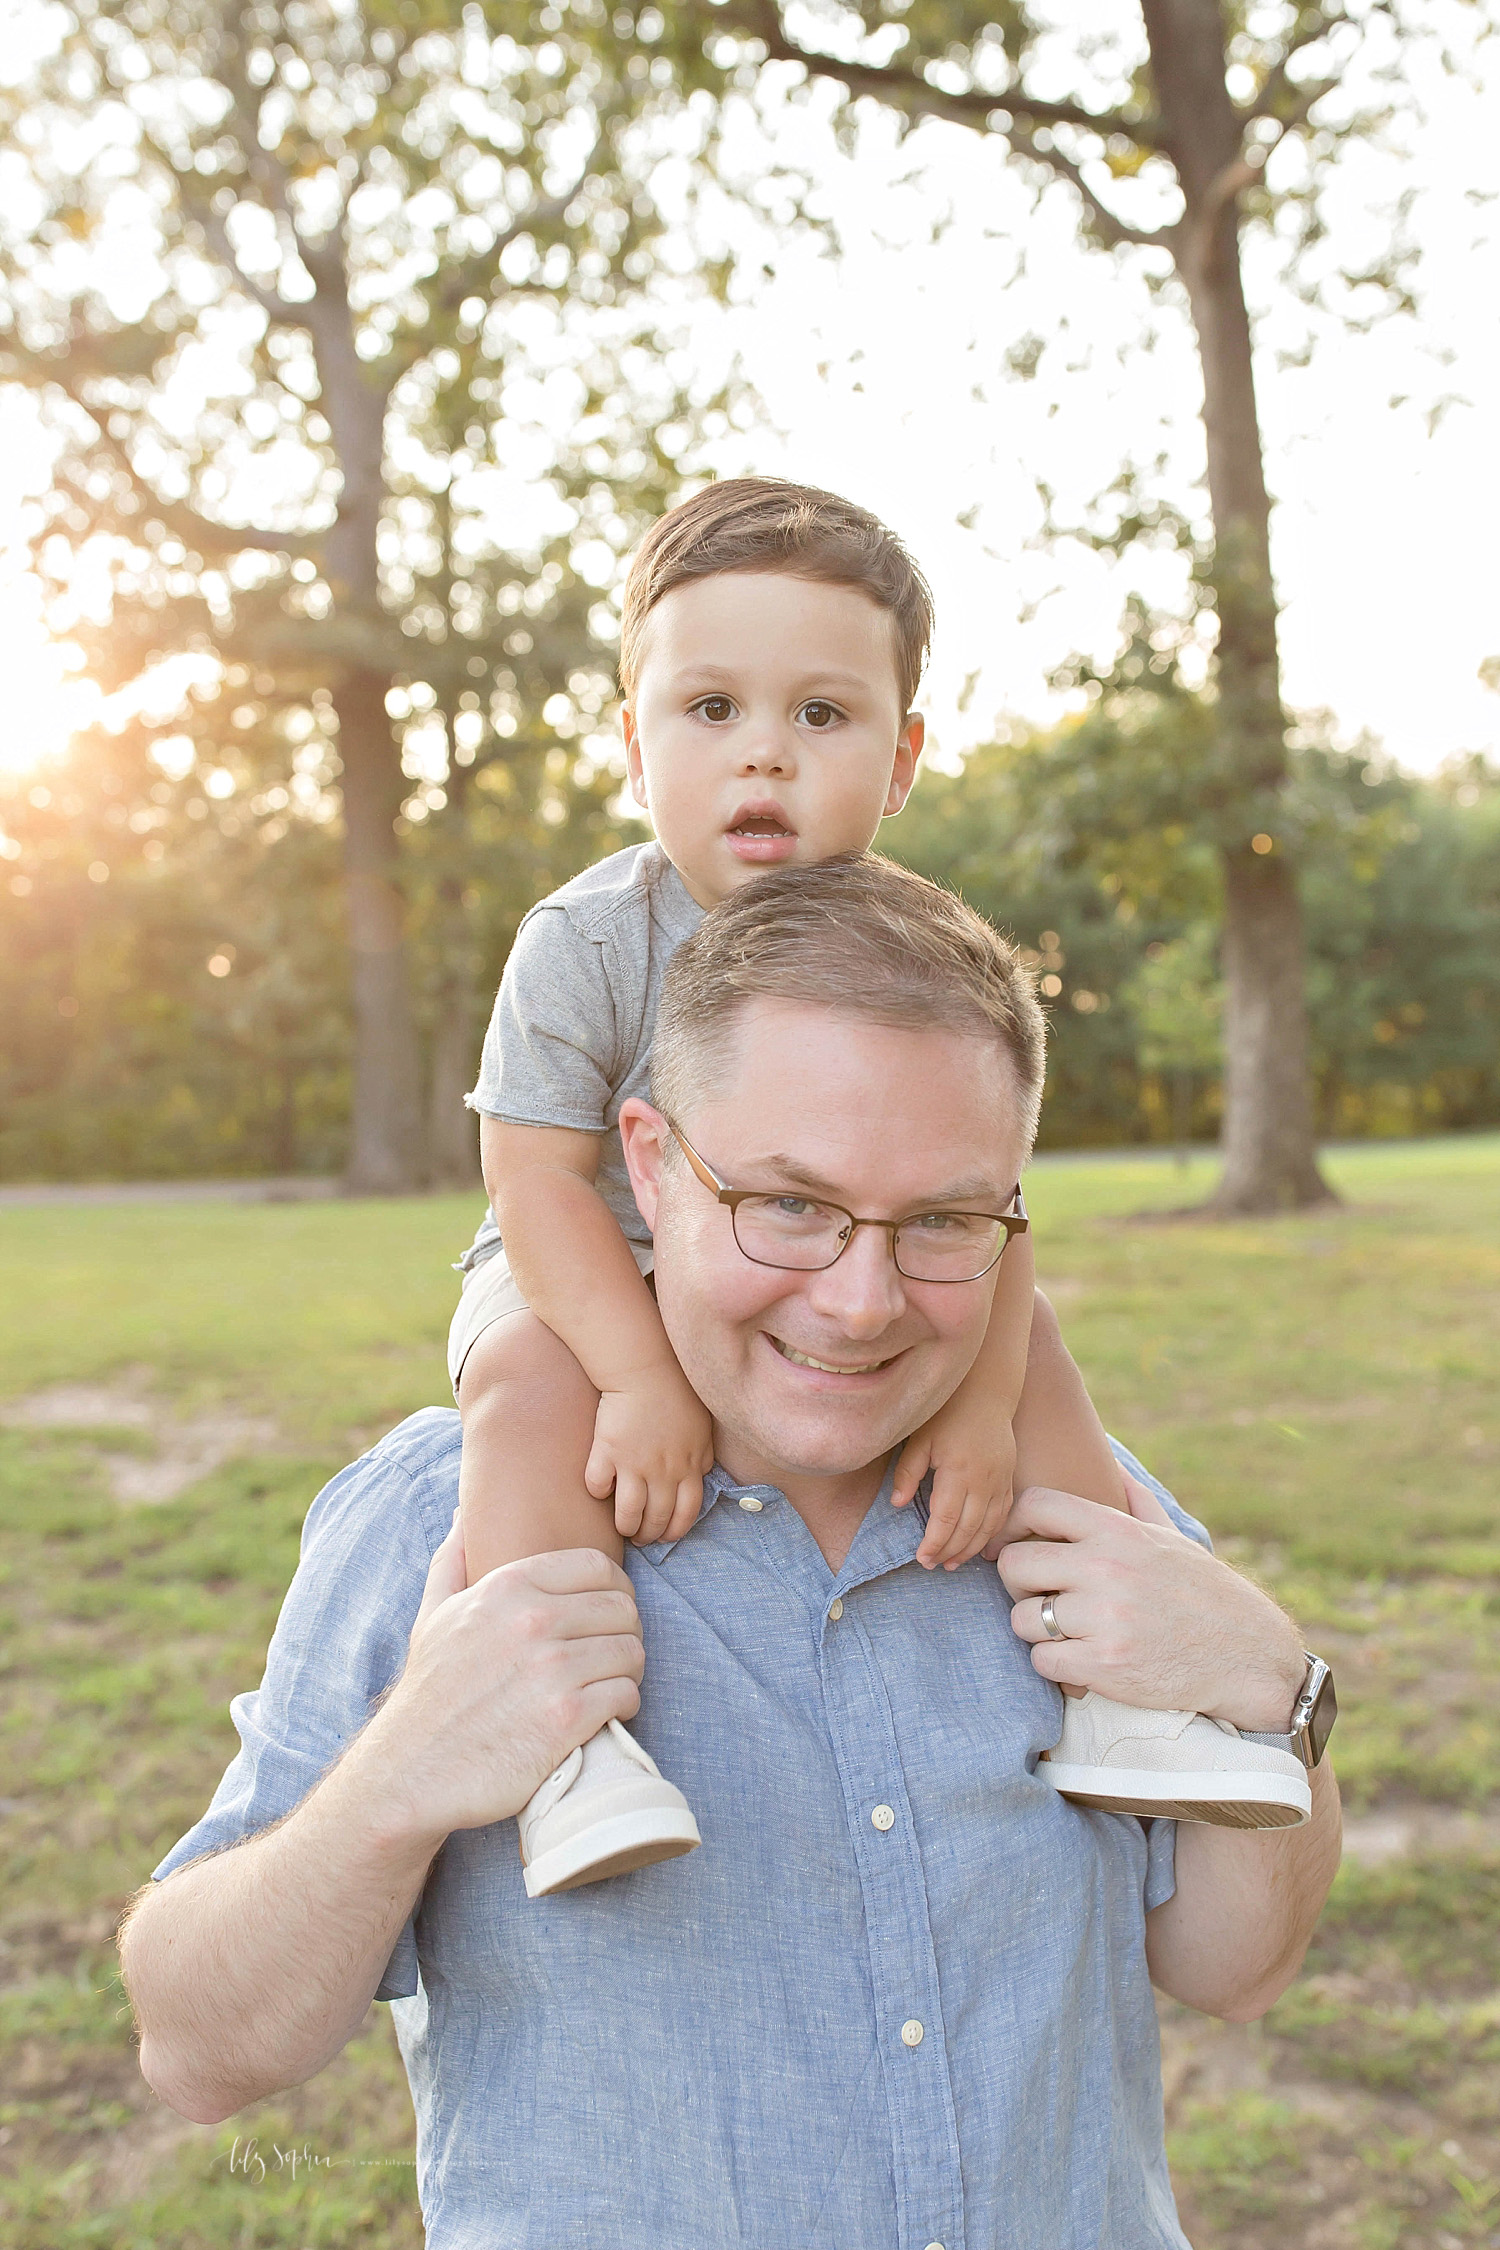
<point>550,1052</point>
<point>339,1643</point>
<point>1161,1835</point>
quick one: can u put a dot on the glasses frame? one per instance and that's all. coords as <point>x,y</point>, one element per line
<point>1014,1222</point>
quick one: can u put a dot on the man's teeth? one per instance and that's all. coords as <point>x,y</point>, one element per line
<point>826,1367</point>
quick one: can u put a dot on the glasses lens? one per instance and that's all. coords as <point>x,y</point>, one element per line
<point>948,1246</point>
<point>790,1231</point>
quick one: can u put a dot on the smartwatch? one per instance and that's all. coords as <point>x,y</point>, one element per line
<point>1312,1717</point>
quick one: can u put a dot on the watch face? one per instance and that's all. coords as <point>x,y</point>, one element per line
<point>1320,1719</point>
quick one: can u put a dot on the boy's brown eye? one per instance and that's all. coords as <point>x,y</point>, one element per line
<point>819,714</point>
<point>717,708</point>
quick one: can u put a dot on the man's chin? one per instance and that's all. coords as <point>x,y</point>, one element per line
<point>832,1441</point>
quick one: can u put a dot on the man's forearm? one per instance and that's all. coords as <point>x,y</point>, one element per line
<point>1233,1936</point>
<point>249,1971</point>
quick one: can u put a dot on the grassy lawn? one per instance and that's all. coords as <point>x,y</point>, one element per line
<point>175,1382</point>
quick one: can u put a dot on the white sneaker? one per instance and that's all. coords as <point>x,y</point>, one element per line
<point>1173,1765</point>
<point>606,1810</point>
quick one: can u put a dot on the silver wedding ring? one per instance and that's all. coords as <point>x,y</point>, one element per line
<point>1049,1619</point>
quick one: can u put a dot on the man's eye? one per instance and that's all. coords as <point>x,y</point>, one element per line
<point>937,1222</point>
<point>715,708</point>
<point>820,715</point>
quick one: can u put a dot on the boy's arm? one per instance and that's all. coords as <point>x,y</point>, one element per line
<point>1060,1439</point>
<point>1021,1416</point>
<point>574,1266</point>
<point>653,1438</point>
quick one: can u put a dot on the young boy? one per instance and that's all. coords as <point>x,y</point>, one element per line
<point>773,638</point>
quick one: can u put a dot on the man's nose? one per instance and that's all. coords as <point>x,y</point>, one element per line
<point>861,1291</point>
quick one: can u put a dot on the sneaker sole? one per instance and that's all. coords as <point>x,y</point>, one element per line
<point>1240,1800</point>
<point>612,1847</point>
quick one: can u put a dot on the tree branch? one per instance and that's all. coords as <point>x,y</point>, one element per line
<point>904,89</point>
<point>476,276</point>
<point>199,533</point>
<point>1277,80</point>
<point>1106,223</point>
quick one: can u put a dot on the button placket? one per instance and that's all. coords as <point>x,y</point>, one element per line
<point>901,1951</point>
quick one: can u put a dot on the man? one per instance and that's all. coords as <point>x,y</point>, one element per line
<point>901,1996</point>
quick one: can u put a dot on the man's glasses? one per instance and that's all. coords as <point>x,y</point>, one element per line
<point>801,1234</point>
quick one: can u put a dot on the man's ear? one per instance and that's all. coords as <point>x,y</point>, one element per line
<point>904,772</point>
<point>634,771</point>
<point>644,1133</point>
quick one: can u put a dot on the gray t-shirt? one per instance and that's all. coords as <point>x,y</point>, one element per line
<point>570,1039</point>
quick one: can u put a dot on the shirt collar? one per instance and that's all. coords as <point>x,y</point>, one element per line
<point>888,1537</point>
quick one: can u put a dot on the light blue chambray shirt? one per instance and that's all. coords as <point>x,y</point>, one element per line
<point>826,2029</point>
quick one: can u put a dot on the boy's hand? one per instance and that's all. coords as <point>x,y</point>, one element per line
<point>653,1446</point>
<point>971,1451</point>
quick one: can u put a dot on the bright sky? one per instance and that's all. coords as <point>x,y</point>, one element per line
<point>885,380</point>
<point>883,375</point>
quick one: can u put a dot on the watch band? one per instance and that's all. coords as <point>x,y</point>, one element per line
<point>1317,1680</point>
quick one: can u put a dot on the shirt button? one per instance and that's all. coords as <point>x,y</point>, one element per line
<point>934,2246</point>
<point>835,1611</point>
<point>751,1505</point>
<point>884,1818</point>
<point>911,2033</point>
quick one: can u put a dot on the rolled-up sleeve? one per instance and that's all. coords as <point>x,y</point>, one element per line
<point>339,1643</point>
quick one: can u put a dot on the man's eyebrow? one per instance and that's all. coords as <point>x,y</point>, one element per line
<point>973,1188</point>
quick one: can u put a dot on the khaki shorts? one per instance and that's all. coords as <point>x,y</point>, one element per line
<point>490,1293</point>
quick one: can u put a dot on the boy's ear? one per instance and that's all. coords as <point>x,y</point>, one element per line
<point>643,1136</point>
<point>904,769</point>
<point>634,772</point>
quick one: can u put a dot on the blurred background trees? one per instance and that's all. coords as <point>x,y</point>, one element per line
<point>360,336</point>
<point>377,258</point>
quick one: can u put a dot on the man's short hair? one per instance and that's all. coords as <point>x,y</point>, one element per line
<point>766,524</point>
<point>857,934</point>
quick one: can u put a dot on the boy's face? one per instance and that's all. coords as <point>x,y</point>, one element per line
<point>766,726</point>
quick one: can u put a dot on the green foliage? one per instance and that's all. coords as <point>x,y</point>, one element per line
<point>1073,834</point>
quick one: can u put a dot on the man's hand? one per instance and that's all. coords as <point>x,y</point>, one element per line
<point>653,1446</point>
<point>502,1680</point>
<point>1151,1617</point>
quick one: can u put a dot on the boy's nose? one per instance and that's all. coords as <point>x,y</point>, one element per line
<point>769,751</point>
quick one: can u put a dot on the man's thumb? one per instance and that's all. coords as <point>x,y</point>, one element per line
<point>446,1573</point>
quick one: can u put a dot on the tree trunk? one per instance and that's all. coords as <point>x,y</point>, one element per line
<point>386,1151</point>
<point>1269,1163</point>
<point>385,1148</point>
<point>1269,1148</point>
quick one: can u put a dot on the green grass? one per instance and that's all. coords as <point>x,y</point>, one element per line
<point>1321,1389</point>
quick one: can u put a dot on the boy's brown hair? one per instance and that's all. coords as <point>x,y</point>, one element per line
<point>767,524</point>
<point>856,934</point>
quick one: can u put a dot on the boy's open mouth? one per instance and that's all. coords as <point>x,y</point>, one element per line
<point>761,833</point>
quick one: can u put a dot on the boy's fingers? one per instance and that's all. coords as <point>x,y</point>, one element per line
<point>630,1505</point>
<point>910,1469</point>
<point>970,1532</point>
<point>599,1474</point>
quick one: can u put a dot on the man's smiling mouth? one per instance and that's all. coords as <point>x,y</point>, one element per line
<point>825,1366</point>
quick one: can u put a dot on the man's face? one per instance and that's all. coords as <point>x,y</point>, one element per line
<point>888,1123</point>
<point>766,726</point>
